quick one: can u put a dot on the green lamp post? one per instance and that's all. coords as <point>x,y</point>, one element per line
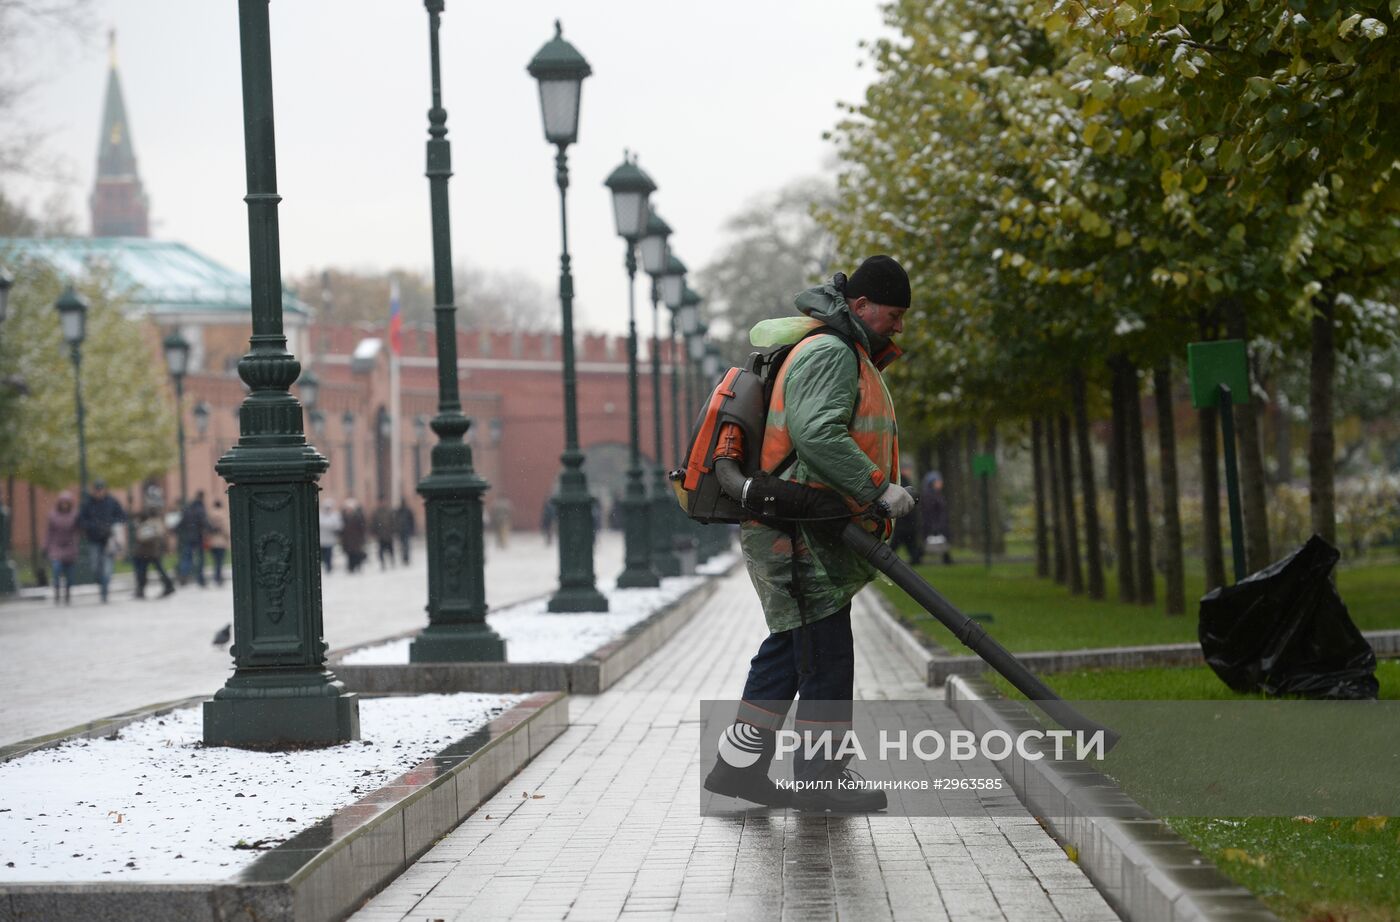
<point>560,70</point>
<point>281,692</point>
<point>177,360</point>
<point>347,425</point>
<point>683,319</point>
<point>457,630</point>
<point>630,189</point>
<point>656,259</point>
<point>9,582</point>
<point>72,318</point>
<point>714,538</point>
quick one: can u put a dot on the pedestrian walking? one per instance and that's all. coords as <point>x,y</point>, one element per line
<point>152,541</point>
<point>354,533</point>
<point>330,524</point>
<point>832,411</point>
<point>98,519</point>
<point>61,546</point>
<point>384,527</point>
<point>407,528</point>
<point>501,511</point>
<point>908,530</point>
<point>938,532</point>
<point>216,539</point>
<point>189,535</point>
<point>547,521</point>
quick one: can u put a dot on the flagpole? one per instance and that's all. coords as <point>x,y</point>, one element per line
<point>396,490</point>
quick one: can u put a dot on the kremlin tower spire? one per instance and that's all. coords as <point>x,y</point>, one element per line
<point>118,202</point>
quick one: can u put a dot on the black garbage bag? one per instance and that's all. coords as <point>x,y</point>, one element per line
<point>1286,631</point>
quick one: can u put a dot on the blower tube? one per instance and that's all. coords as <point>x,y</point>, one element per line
<point>771,497</point>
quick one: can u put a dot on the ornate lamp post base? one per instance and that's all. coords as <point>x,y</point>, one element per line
<point>457,643</point>
<point>663,508</point>
<point>282,706</point>
<point>457,631</point>
<point>637,572</point>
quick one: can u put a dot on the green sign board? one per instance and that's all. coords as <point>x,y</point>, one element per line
<point>984,465</point>
<point>1213,364</point>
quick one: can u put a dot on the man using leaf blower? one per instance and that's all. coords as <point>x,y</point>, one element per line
<point>831,426</point>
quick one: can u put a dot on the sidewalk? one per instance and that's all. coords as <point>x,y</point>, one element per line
<point>615,831</point>
<point>62,665</point>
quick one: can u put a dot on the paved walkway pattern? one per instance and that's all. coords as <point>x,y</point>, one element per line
<point>63,665</point>
<point>605,823</point>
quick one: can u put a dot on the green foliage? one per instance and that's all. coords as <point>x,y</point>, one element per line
<point>130,421</point>
<point>1067,181</point>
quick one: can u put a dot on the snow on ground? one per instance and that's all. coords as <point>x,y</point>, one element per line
<point>535,635</point>
<point>155,804</point>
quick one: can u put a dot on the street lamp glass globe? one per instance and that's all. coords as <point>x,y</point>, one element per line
<point>560,70</point>
<point>689,316</point>
<point>696,345</point>
<point>72,316</point>
<point>318,423</point>
<point>420,427</point>
<point>201,418</point>
<point>6,280</point>
<point>710,365</point>
<point>386,424</point>
<point>177,354</point>
<point>631,188</point>
<point>673,282</point>
<point>347,420</point>
<point>653,244</point>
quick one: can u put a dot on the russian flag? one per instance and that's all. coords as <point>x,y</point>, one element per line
<point>395,319</point>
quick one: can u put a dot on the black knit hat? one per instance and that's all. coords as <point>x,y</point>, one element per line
<point>879,278</point>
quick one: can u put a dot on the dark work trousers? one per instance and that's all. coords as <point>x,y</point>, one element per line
<point>386,552</point>
<point>824,693</point>
<point>140,565</point>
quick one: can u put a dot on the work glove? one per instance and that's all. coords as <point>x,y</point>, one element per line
<point>895,501</point>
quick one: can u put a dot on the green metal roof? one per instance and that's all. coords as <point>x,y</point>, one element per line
<point>157,276</point>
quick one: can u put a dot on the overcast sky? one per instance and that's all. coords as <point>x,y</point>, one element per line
<point>723,100</point>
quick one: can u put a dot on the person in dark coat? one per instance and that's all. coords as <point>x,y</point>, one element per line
<point>189,532</point>
<point>151,541</point>
<point>354,532</point>
<point>935,515</point>
<point>908,529</point>
<point>97,521</point>
<point>407,527</point>
<point>384,528</point>
<point>61,546</point>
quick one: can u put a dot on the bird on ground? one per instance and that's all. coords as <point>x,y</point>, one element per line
<point>223,636</point>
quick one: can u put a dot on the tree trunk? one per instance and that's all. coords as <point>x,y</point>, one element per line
<point>1118,475</point>
<point>1057,513</point>
<point>1283,443</point>
<point>947,453</point>
<point>1212,549</point>
<point>994,511</point>
<point>1042,546</point>
<point>1171,507</point>
<point>1136,458</point>
<point>1075,570</point>
<point>1254,502</point>
<point>972,501</point>
<point>1086,485</point>
<point>1322,498</point>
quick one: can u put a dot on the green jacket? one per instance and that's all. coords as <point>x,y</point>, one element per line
<point>819,412</point>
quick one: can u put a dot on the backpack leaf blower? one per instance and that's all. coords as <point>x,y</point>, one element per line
<point>722,482</point>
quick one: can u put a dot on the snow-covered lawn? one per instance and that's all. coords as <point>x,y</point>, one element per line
<point>155,804</point>
<point>535,635</point>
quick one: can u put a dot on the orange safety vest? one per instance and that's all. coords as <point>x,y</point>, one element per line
<point>873,425</point>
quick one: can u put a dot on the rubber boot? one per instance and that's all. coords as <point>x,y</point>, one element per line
<point>741,767</point>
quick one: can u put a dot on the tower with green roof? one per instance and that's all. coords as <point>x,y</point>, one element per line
<point>118,202</point>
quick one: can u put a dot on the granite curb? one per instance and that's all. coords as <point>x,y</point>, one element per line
<point>326,871</point>
<point>588,675</point>
<point>1145,871</point>
<point>943,664</point>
